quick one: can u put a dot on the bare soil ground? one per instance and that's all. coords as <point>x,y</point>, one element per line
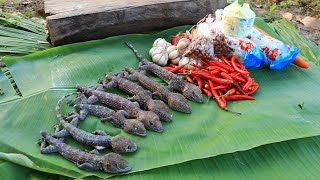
<point>294,10</point>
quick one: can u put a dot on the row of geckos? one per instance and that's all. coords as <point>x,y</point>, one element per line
<point>155,110</point>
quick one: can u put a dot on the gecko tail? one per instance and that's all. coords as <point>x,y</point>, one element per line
<point>136,52</point>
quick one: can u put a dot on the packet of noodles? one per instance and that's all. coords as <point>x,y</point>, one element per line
<point>277,54</point>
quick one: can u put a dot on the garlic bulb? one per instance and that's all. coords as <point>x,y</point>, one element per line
<point>183,45</point>
<point>176,60</point>
<point>186,61</point>
<point>173,54</point>
<point>157,50</point>
<point>160,42</point>
<point>160,59</point>
<point>171,48</point>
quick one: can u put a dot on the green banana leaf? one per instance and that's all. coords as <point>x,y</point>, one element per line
<point>294,159</point>
<point>44,77</point>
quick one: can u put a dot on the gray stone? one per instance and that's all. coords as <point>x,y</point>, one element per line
<point>71,21</point>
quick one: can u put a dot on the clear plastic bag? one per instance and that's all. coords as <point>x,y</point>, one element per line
<point>277,54</point>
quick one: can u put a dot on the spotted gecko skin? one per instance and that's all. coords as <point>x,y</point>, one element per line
<point>119,143</point>
<point>190,91</point>
<point>175,100</point>
<point>142,96</point>
<point>148,118</point>
<point>131,126</point>
<point>110,163</point>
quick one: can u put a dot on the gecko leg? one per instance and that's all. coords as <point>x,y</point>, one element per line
<point>134,98</point>
<point>109,85</point>
<point>86,166</point>
<point>60,133</point>
<point>131,77</point>
<point>63,133</point>
<point>47,149</point>
<point>94,151</point>
<point>143,66</point>
<point>81,98</point>
<point>92,99</point>
<point>156,93</point>
<point>124,113</point>
<point>99,132</point>
<point>83,114</point>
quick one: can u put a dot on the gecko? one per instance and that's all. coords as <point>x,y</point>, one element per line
<point>98,138</point>
<point>148,118</point>
<point>131,126</point>
<point>110,163</point>
<point>141,95</point>
<point>175,100</point>
<point>190,91</point>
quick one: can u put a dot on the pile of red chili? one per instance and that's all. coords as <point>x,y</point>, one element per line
<point>224,79</point>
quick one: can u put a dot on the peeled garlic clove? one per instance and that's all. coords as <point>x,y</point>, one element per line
<point>158,50</point>
<point>171,48</point>
<point>176,60</point>
<point>160,42</point>
<point>184,61</point>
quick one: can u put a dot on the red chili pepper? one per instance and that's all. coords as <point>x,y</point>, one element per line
<point>189,79</point>
<point>211,68</point>
<point>177,68</point>
<point>229,56</point>
<point>199,81</point>
<point>237,78</point>
<point>238,97</point>
<point>197,66</point>
<point>218,99</point>
<point>207,92</point>
<point>215,72</point>
<point>253,88</point>
<point>233,62</point>
<point>226,76</point>
<point>231,91</point>
<point>168,68</point>
<point>205,63</point>
<point>248,84</point>
<point>220,87</point>
<point>224,60</point>
<point>172,65</point>
<point>221,96</point>
<point>217,80</point>
<point>206,86</point>
<point>219,64</point>
<point>224,66</point>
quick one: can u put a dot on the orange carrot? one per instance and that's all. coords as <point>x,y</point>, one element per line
<point>298,61</point>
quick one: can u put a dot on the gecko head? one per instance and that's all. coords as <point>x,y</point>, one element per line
<point>150,120</point>
<point>179,103</point>
<point>114,163</point>
<point>84,89</point>
<point>134,126</point>
<point>122,144</point>
<point>193,93</point>
<point>160,108</point>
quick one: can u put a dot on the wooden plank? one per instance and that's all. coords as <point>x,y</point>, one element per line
<point>72,21</point>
